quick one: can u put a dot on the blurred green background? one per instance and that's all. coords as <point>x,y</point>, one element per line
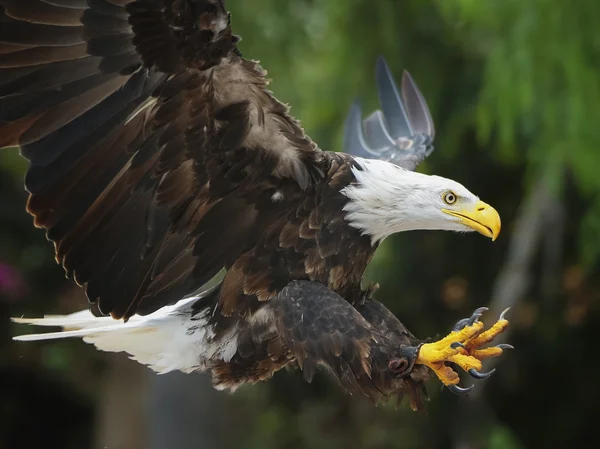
<point>514,88</point>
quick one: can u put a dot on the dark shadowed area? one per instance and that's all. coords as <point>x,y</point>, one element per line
<point>514,89</point>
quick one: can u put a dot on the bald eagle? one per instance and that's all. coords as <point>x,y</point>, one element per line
<point>158,159</point>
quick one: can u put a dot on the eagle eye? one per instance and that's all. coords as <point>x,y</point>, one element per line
<point>450,197</point>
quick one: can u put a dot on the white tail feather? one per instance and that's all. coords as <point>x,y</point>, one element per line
<point>166,340</point>
<point>80,319</point>
<point>65,334</point>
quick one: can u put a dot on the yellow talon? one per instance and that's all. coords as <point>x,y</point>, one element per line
<point>462,347</point>
<point>487,353</point>
<point>466,362</point>
<point>487,336</point>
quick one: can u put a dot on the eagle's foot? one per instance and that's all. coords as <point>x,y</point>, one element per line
<point>463,348</point>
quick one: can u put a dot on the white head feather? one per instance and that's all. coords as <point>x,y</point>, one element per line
<point>387,199</point>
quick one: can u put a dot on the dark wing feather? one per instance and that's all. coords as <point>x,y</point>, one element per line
<point>401,132</point>
<point>150,140</point>
<point>319,328</point>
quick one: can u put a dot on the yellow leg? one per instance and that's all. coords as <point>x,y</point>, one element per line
<point>463,347</point>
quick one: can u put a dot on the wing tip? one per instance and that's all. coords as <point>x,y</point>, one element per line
<point>355,108</point>
<point>353,137</point>
<point>408,78</point>
<point>381,63</point>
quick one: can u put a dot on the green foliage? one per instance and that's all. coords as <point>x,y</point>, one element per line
<point>502,438</point>
<point>521,75</point>
<point>540,94</point>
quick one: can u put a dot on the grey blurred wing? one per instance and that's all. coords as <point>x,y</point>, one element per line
<point>401,132</point>
<point>354,139</point>
<point>419,116</point>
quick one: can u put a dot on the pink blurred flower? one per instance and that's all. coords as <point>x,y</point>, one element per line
<point>12,284</point>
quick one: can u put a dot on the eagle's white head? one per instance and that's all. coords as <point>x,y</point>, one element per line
<point>387,199</point>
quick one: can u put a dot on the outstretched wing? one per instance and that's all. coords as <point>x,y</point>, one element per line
<point>152,142</point>
<point>401,131</point>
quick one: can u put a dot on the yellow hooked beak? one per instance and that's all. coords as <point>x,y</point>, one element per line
<point>482,218</point>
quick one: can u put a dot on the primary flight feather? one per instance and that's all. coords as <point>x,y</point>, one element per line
<point>158,158</point>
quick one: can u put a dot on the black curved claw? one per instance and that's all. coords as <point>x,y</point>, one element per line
<point>477,375</point>
<point>460,324</point>
<point>469,321</point>
<point>505,346</point>
<point>477,314</point>
<point>459,390</point>
<point>457,344</point>
<point>503,314</point>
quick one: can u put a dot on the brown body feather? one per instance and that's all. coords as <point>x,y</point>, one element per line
<point>158,158</point>
<point>313,327</point>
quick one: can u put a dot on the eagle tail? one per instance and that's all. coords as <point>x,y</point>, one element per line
<point>79,324</point>
<point>147,339</point>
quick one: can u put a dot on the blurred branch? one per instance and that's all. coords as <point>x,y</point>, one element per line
<point>537,215</point>
<point>553,248</point>
<point>121,417</point>
<point>514,278</point>
<point>184,411</point>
